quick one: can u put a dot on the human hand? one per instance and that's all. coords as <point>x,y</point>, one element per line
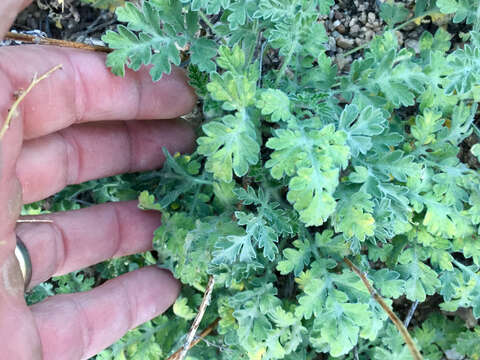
<point>75,126</point>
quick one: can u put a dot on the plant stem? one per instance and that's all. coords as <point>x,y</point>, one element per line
<point>282,70</point>
<point>206,20</point>
<point>407,320</point>
<point>202,335</point>
<point>34,221</point>
<point>210,25</point>
<point>21,96</point>
<point>32,39</point>
<point>251,53</point>
<point>260,64</point>
<point>396,321</point>
<point>198,319</point>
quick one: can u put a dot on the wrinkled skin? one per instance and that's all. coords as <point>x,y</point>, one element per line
<point>79,124</point>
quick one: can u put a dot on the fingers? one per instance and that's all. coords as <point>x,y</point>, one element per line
<point>8,11</point>
<point>89,151</point>
<point>85,90</point>
<point>17,328</point>
<point>10,189</point>
<point>80,238</point>
<point>77,326</point>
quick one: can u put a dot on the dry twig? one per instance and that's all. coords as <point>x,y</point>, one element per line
<point>409,317</point>
<point>22,95</point>
<point>196,322</point>
<point>34,221</point>
<point>202,335</point>
<point>32,39</point>
<point>396,321</point>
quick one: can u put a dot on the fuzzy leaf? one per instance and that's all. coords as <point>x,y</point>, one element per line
<point>181,309</point>
<point>314,158</point>
<point>202,51</point>
<point>354,217</point>
<point>231,145</point>
<point>361,126</point>
<point>388,282</point>
<point>150,46</point>
<point>420,279</point>
<point>295,259</point>
<point>393,13</point>
<point>275,103</point>
<point>475,150</point>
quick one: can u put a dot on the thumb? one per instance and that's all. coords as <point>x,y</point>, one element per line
<point>9,10</point>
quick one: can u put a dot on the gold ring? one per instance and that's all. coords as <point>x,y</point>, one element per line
<point>23,257</point>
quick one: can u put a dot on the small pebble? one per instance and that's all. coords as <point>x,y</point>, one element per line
<point>335,34</point>
<point>453,355</point>
<point>341,29</point>
<point>359,41</point>
<point>371,17</point>
<point>354,30</point>
<point>345,43</point>
<point>363,18</point>
<point>399,37</point>
<point>369,34</point>
<point>332,44</point>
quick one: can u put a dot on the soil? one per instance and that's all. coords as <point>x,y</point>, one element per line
<point>77,22</point>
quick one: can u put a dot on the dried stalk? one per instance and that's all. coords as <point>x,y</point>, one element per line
<point>396,321</point>
<point>409,317</point>
<point>202,335</point>
<point>196,322</point>
<point>34,221</point>
<point>22,95</point>
<point>32,39</point>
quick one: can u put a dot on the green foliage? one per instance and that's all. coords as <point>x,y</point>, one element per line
<point>312,157</point>
<point>297,167</point>
<point>468,344</point>
<point>65,284</point>
<point>153,35</point>
<point>232,142</point>
<point>393,13</point>
<point>463,10</point>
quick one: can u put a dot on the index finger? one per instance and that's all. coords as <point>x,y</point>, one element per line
<point>85,90</point>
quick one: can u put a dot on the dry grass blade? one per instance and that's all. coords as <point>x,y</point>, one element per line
<point>396,321</point>
<point>202,335</point>
<point>180,354</point>
<point>34,221</point>
<point>22,95</point>
<point>32,39</point>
